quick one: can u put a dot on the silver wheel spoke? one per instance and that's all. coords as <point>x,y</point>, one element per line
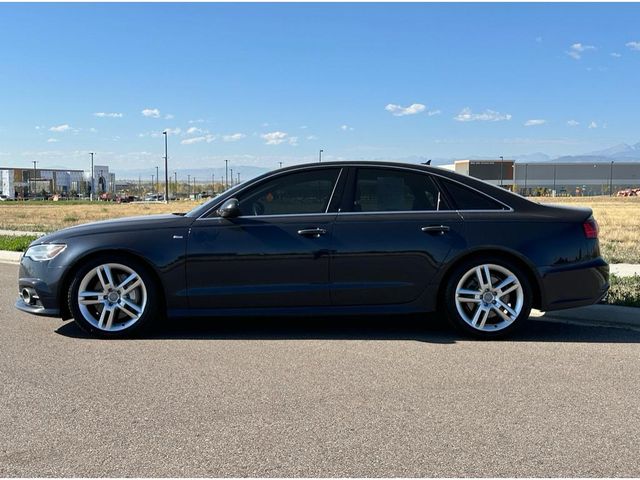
<point>130,278</point>
<point>90,298</point>
<point>480,279</point>
<point>132,306</point>
<point>103,314</point>
<point>512,312</point>
<point>476,316</point>
<point>506,317</point>
<point>110,317</point>
<point>103,282</point>
<point>468,300</point>
<point>107,272</point>
<point>133,286</point>
<point>488,276</point>
<point>508,290</point>
<point>126,310</point>
<point>510,279</point>
<point>484,318</point>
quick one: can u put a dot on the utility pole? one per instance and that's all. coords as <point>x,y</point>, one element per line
<point>153,184</point>
<point>166,170</point>
<point>157,182</point>
<point>501,164</point>
<point>175,191</point>
<point>238,179</point>
<point>189,186</point>
<point>91,193</point>
<point>320,156</point>
<point>226,174</point>
<point>231,177</point>
<point>611,179</point>
<point>194,187</point>
<point>35,162</point>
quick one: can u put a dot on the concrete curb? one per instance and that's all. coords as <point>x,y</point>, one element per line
<point>12,258</point>
<point>595,315</point>
<point>624,269</point>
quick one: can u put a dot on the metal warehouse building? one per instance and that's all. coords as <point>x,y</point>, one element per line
<point>548,178</point>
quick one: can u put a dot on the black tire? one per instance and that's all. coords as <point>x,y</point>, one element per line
<point>496,326</point>
<point>152,294</point>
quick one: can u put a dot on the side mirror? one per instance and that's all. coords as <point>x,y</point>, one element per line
<point>229,209</point>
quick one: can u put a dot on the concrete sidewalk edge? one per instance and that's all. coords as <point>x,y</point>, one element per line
<point>12,258</point>
<point>599,315</point>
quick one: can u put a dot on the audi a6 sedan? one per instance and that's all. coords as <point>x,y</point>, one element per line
<point>321,239</point>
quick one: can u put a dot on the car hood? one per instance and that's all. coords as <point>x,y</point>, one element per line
<point>126,224</point>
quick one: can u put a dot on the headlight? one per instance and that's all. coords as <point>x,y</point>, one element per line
<point>48,251</point>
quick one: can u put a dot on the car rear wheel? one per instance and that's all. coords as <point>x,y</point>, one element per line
<point>113,297</point>
<point>488,298</point>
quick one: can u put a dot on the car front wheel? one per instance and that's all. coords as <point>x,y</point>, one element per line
<point>112,297</point>
<point>488,298</point>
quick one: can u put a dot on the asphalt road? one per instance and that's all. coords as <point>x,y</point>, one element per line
<point>339,397</point>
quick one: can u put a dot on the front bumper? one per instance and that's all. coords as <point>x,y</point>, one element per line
<point>45,280</point>
<point>575,285</point>
<point>37,310</point>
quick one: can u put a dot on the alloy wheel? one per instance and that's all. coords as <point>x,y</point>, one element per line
<point>112,297</point>
<point>489,297</point>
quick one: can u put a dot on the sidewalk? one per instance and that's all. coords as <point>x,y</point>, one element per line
<point>17,233</point>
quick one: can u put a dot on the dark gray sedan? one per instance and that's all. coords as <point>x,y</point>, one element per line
<point>321,239</point>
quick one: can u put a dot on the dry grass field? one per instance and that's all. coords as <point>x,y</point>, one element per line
<point>50,216</point>
<point>619,218</point>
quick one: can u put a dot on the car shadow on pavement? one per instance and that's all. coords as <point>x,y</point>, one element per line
<point>431,329</point>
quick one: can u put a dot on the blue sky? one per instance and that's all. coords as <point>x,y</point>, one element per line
<point>263,83</point>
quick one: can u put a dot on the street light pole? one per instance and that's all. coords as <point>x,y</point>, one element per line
<point>238,179</point>
<point>320,156</point>
<point>166,169</point>
<point>157,183</point>
<point>501,164</point>
<point>226,174</point>
<point>231,177</point>
<point>35,162</point>
<point>188,186</point>
<point>91,176</point>
<point>175,191</point>
<point>611,179</point>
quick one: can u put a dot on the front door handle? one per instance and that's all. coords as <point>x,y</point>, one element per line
<point>436,229</point>
<point>312,232</point>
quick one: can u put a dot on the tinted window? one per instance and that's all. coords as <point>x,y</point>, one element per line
<point>385,190</point>
<point>468,199</point>
<point>295,193</point>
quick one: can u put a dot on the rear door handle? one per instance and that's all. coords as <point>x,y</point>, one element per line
<point>436,229</point>
<point>312,232</point>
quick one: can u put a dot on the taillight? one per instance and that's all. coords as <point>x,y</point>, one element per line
<point>590,228</point>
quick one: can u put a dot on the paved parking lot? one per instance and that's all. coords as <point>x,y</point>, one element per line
<point>338,397</point>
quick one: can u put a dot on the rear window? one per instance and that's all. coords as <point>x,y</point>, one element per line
<point>467,199</point>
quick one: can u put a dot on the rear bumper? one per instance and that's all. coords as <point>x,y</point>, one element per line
<point>575,285</point>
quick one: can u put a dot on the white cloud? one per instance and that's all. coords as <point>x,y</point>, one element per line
<point>108,115</point>
<point>93,130</point>
<point>466,115</point>
<point>194,130</point>
<point>173,131</point>
<point>312,137</point>
<point>633,45</point>
<point>168,116</point>
<point>151,113</point>
<point>52,140</point>
<point>431,113</point>
<point>615,54</point>
<point>275,138</point>
<point>400,111</point>
<point>60,128</point>
<point>204,138</point>
<point>198,120</point>
<point>534,122</point>
<point>577,49</point>
<point>346,128</point>
<point>573,123</point>
<point>233,137</point>
<point>593,125</point>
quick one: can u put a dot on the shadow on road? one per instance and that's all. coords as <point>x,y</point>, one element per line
<point>410,327</point>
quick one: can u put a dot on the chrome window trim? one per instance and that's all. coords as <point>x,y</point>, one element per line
<point>508,209</point>
<point>204,216</point>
